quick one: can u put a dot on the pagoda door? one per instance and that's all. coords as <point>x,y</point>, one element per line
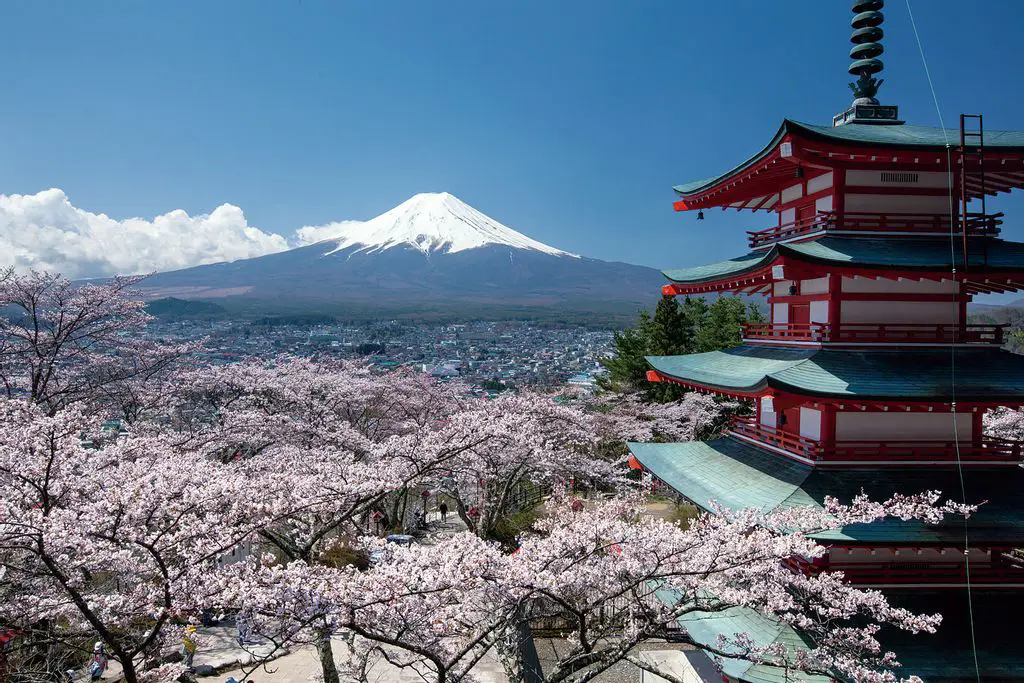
<point>800,317</point>
<point>805,214</point>
<point>790,422</point>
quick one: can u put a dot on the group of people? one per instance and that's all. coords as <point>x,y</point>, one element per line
<point>382,523</point>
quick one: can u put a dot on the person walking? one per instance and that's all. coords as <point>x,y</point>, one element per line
<point>189,645</point>
<point>98,664</point>
<point>443,509</point>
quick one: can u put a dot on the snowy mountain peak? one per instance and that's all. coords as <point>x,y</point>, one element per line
<point>434,222</point>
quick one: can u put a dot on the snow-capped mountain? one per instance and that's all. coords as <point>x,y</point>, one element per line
<point>434,222</point>
<point>433,256</point>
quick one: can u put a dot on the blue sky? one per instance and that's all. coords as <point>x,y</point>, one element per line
<point>569,121</point>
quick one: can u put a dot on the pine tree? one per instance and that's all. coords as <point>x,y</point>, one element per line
<point>693,327</point>
<point>627,369</point>
<point>670,332</point>
<point>722,327</point>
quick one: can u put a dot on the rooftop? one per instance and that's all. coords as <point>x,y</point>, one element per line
<point>740,476</point>
<point>946,655</point>
<point>904,136</point>
<point>983,374</point>
<point>986,255</point>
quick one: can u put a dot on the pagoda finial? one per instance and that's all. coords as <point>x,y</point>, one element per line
<point>867,46</point>
<point>866,37</point>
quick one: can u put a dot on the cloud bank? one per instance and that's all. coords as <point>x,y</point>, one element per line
<point>46,231</point>
<point>311,234</point>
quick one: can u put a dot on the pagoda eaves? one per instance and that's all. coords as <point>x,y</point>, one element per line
<point>762,181</point>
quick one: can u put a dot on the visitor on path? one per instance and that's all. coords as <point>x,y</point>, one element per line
<point>443,509</point>
<point>188,645</point>
<point>98,664</point>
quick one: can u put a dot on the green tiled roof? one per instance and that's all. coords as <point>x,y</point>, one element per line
<point>917,374</point>
<point>916,254</point>
<point>739,475</point>
<point>946,655</point>
<point>705,627</point>
<point>868,135</point>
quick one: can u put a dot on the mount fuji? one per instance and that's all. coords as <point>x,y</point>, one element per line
<point>432,257</point>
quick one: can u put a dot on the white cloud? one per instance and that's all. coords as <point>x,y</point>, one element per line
<point>46,232</point>
<point>311,234</point>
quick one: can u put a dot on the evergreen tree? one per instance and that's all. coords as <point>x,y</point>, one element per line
<point>722,327</point>
<point>670,332</point>
<point>693,327</point>
<point>627,369</point>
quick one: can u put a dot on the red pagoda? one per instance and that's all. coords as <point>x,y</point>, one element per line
<point>869,376</point>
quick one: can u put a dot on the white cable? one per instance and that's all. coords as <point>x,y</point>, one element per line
<point>952,347</point>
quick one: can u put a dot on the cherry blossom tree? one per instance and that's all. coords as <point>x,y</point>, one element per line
<point>536,442</point>
<point>61,343</point>
<point>1004,423</point>
<point>611,576</point>
<point>111,543</point>
<point>336,441</point>
<point>628,417</point>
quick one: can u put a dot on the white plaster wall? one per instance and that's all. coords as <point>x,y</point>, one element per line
<point>788,215</point>
<point>810,423</point>
<point>819,312</point>
<point>896,203</point>
<point>767,413</point>
<point>901,426</point>
<point>928,179</point>
<point>901,286</point>
<point>908,312</point>
<point>780,314</point>
<point>792,192</point>
<point>819,182</point>
<point>781,288</point>
<point>818,285</point>
<point>823,204</point>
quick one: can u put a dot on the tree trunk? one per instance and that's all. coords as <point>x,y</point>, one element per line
<point>326,652</point>
<point>517,652</point>
<point>128,671</point>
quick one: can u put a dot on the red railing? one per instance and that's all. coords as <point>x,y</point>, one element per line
<point>990,449</point>
<point>793,443</point>
<point>869,573</point>
<point>978,224</point>
<point>875,333</point>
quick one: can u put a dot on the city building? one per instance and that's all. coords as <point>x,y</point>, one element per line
<point>868,376</point>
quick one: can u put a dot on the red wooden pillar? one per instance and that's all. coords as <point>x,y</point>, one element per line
<point>835,289</point>
<point>828,427</point>
<point>839,189</point>
<point>976,426</point>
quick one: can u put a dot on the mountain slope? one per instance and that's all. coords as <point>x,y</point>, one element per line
<point>431,257</point>
<point>432,222</point>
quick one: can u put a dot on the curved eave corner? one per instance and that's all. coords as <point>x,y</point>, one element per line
<point>691,190</point>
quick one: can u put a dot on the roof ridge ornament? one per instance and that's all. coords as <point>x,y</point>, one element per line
<point>867,47</point>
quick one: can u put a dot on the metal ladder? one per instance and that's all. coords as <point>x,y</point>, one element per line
<point>972,153</point>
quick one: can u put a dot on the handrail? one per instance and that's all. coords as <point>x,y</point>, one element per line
<point>978,224</point>
<point>794,443</point>
<point>915,572</point>
<point>879,450</point>
<point>877,332</point>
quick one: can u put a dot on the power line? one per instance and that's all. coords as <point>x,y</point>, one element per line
<point>952,346</point>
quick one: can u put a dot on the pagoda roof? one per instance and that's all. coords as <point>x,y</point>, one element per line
<point>917,254</point>
<point>982,375</point>
<point>922,139</point>
<point>946,655</point>
<point>739,475</point>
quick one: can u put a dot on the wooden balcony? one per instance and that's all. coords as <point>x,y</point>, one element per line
<point>978,225</point>
<point>997,572</point>
<point>881,452</point>
<point>875,333</point>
